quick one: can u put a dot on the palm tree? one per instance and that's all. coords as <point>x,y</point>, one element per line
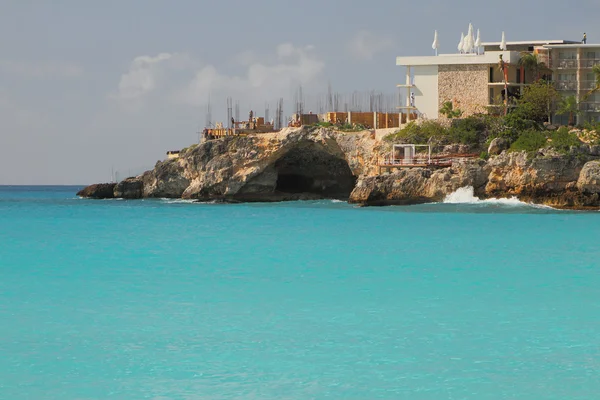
<point>449,111</point>
<point>569,106</point>
<point>596,88</point>
<point>531,62</point>
<point>596,71</point>
<point>503,67</point>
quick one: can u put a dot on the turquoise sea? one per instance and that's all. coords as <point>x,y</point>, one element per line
<point>162,299</point>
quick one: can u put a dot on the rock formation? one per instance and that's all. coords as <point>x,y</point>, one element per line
<point>311,163</point>
<point>98,191</point>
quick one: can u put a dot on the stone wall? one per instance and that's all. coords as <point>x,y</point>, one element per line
<point>465,85</point>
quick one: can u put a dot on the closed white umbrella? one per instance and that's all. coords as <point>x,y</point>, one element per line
<point>461,43</point>
<point>469,42</point>
<point>503,42</point>
<point>436,44</point>
<point>472,38</point>
<point>478,41</point>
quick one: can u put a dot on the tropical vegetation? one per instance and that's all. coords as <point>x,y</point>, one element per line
<point>524,123</point>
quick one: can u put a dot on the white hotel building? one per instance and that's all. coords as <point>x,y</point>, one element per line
<point>472,82</point>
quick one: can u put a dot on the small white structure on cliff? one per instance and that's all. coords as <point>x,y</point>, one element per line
<point>472,80</point>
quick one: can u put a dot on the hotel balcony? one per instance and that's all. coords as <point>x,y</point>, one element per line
<point>590,106</point>
<point>588,85</point>
<point>566,85</point>
<point>589,63</point>
<point>566,64</point>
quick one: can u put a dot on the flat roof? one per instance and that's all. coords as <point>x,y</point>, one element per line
<point>534,42</point>
<point>489,57</point>
<point>570,46</point>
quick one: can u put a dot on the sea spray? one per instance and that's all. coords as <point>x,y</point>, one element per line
<point>466,195</point>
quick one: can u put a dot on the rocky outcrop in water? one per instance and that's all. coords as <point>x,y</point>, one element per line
<point>291,164</point>
<point>558,180</point>
<point>311,163</point>
<point>98,191</point>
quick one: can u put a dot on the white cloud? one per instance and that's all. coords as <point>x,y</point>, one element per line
<point>365,45</point>
<point>41,69</point>
<point>142,76</point>
<point>290,66</point>
<point>178,79</point>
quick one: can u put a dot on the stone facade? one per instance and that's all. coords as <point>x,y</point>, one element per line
<point>465,85</point>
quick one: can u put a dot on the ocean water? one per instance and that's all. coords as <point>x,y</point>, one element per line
<point>162,299</point>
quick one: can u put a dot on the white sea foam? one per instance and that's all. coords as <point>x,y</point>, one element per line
<point>466,195</point>
<point>177,201</point>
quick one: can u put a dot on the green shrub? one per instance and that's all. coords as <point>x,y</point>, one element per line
<point>323,124</point>
<point>519,121</point>
<point>562,140</point>
<point>592,126</point>
<point>352,127</point>
<point>449,111</point>
<point>530,140</point>
<point>471,131</point>
<point>420,133</point>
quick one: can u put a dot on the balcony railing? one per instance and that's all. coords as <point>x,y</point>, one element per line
<point>589,63</point>
<point>566,64</point>
<point>566,85</point>
<point>590,106</point>
<point>588,85</point>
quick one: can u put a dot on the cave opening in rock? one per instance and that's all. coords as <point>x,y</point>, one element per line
<point>315,173</point>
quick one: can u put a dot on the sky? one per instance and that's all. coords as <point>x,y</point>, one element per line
<point>91,87</point>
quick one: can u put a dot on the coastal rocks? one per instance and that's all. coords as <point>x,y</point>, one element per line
<point>497,146</point>
<point>419,185</point>
<point>168,179</point>
<point>589,178</point>
<point>130,188</point>
<point>98,191</point>
<point>406,186</point>
<point>291,164</point>
<point>315,163</point>
<point>455,149</point>
<point>514,174</point>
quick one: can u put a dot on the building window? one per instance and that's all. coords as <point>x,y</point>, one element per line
<point>491,74</point>
<point>566,55</point>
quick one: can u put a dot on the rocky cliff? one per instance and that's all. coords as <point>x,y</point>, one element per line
<point>310,163</point>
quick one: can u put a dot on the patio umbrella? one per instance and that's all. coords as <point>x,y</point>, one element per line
<point>461,43</point>
<point>469,42</point>
<point>503,42</point>
<point>478,41</point>
<point>436,43</point>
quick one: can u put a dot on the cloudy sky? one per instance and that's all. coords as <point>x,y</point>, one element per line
<point>86,86</point>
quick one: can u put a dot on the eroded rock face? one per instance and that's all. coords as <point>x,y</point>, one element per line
<point>589,178</point>
<point>291,164</point>
<point>419,185</point>
<point>168,179</point>
<point>130,188</point>
<point>309,163</point>
<point>497,146</point>
<point>98,191</point>
<point>515,174</point>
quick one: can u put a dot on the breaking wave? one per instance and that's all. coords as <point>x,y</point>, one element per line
<point>466,195</point>
<point>178,201</point>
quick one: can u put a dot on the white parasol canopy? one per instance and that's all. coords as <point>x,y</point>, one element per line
<point>469,42</point>
<point>436,43</point>
<point>478,40</point>
<point>503,42</point>
<point>461,44</point>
